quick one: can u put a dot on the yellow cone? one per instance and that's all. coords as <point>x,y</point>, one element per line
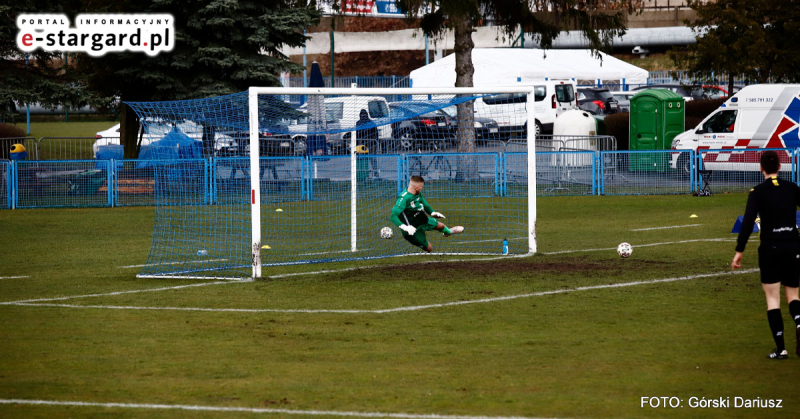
<point>693,216</point>
<point>278,210</point>
<point>266,247</point>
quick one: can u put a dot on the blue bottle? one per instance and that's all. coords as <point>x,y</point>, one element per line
<point>505,246</point>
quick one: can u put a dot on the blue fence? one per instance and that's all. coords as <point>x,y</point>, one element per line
<point>224,181</point>
<point>5,184</point>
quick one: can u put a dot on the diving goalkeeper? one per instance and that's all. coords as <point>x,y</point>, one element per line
<point>410,214</point>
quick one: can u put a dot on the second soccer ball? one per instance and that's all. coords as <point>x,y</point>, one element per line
<point>386,233</point>
<point>624,249</point>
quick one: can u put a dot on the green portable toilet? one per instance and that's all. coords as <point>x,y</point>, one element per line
<point>657,116</point>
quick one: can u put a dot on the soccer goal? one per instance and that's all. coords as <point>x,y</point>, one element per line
<point>278,176</point>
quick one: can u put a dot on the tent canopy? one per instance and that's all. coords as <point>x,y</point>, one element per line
<point>507,66</point>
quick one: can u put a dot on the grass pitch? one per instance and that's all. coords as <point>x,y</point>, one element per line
<point>554,351</point>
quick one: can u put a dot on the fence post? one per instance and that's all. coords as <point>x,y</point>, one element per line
<point>12,187</point>
<point>110,181</point>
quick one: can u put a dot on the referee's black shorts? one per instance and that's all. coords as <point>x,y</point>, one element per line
<point>779,262</point>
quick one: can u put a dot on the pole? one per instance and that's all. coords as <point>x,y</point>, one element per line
<point>353,191</point>
<point>66,64</point>
<point>28,105</point>
<point>305,79</point>
<point>427,55</point>
<point>333,84</point>
<point>255,185</point>
<point>531,174</point>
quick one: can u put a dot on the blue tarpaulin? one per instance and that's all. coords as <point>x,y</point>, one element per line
<point>174,146</point>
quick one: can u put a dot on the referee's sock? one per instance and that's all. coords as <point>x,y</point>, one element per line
<point>794,310</point>
<point>776,325</point>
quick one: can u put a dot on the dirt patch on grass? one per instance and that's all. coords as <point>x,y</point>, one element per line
<point>573,266</point>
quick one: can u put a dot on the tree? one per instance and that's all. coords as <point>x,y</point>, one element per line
<point>40,80</point>
<point>753,38</point>
<point>221,47</point>
<point>599,20</point>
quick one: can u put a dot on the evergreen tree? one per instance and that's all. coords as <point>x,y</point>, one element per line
<point>221,47</point>
<point>42,79</point>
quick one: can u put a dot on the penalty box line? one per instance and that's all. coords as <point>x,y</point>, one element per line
<point>401,309</point>
<point>251,410</point>
<point>20,302</point>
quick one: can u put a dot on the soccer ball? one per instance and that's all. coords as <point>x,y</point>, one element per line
<point>624,249</point>
<point>386,233</point>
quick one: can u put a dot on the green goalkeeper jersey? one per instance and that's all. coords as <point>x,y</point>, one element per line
<point>410,205</point>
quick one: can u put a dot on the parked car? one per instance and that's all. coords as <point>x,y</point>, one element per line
<point>624,100</point>
<point>552,97</point>
<point>485,128</point>
<point>689,92</point>
<point>597,101</point>
<point>412,130</point>
<point>274,140</point>
<point>155,130</point>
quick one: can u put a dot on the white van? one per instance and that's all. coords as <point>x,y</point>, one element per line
<point>342,113</point>
<point>553,97</point>
<point>758,116</point>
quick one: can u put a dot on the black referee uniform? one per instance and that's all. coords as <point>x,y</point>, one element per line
<point>779,254</point>
<point>776,202</point>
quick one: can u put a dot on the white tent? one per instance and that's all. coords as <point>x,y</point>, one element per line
<point>505,66</point>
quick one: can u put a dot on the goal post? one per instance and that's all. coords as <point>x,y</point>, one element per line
<point>280,176</point>
<point>254,92</point>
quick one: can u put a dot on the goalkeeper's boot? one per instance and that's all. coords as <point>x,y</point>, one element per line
<point>778,355</point>
<point>455,230</point>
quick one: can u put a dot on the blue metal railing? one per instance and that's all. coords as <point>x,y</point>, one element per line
<point>112,183</point>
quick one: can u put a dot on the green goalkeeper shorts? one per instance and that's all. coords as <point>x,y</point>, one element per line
<point>423,223</point>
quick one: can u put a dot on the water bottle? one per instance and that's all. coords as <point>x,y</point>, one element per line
<point>202,252</point>
<point>505,246</point>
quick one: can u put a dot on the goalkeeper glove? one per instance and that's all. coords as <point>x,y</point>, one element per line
<point>410,230</point>
<point>437,214</point>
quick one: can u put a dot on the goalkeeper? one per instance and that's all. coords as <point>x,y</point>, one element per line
<point>410,214</point>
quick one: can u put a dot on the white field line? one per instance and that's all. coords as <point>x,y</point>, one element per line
<point>14,277</point>
<point>172,263</point>
<point>251,410</point>
<point>640,245</point>
<point>401,309</point>
<point>114,293</point>
<point>664,228</point>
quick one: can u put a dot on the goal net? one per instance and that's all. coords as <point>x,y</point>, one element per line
<point>278,176</point>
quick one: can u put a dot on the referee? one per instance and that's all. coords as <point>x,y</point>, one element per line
<point>779,253</point>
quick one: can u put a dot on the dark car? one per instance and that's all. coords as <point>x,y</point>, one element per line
<point>412,130</point>
<point>485,128</point>
<point>274,140</point>
<point>688,91</point>
<point>597,101</point>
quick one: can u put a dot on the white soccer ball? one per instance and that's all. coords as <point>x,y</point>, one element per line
<point>386,233</point>
<point>625,249</point>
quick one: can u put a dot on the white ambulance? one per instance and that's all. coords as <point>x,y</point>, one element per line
<point>757,117</point>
